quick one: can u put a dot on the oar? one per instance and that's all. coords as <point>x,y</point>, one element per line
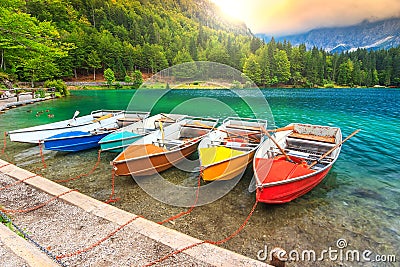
<point>224,131</point>
<point>162,131</point>
<point>286,128</point>
<point>162,114</point>
<point>73,118</point>
<point>333,148</point>
<point>277,145</point>
<point>75,115</point>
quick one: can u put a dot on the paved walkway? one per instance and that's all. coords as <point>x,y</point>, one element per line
<point>75,221</point>
<point>23,100</point>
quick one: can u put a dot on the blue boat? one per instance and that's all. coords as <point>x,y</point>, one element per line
<point>74,141</point>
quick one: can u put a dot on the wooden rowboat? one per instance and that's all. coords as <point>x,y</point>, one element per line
<point>162,149</point>
<point>292,167</point>
<point>131,117</point>
<point>123,137</point>
<point>227,151</point>
<point>97,119</point>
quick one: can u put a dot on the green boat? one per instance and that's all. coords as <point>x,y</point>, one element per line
<point>123,137</point>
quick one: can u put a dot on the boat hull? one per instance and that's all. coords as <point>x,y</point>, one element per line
<point>295,161</point>
<point>118,141</point>
<point>37,134</point>
<point>74,143</point>
<point>227,169</point>
<point>284,193</point>
<point>152,164</point>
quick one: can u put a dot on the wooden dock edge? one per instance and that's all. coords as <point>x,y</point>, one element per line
<point>206,253</point>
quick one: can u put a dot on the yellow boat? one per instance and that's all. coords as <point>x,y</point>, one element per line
<point>226,152</point>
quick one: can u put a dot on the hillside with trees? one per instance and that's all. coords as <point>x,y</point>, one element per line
<point>49,39</point>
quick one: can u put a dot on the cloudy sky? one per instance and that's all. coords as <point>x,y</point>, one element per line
<point>282,17</point>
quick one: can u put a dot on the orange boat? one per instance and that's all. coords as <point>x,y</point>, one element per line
<point>226,152</point>
<point>293,162</point>
<point>164,148</point>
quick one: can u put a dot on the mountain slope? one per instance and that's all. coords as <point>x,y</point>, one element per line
<point>369,35</point>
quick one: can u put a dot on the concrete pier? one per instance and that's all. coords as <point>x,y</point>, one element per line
<point>75,221</point>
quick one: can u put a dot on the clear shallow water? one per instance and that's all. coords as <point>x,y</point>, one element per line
<point>359,200</point>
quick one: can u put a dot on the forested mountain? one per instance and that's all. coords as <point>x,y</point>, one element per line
<point>376,35</point>
<point>123,35</point>
<point>47,39</point>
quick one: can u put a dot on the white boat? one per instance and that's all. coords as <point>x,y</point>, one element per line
<point>95,120</point>
<point>163,148</point>
<point>123,137</point>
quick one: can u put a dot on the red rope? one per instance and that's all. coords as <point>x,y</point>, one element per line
<point>98,242</point>
<point>173,253</point>
<point>4,143</point>
<point>17,182</point>
<point>82,175</point>
<point>219,242</point>
<point>41,155</point>
<point>3,150</point>
<point>189,210</point>
<point>38,206</point>
<point>237,230</point>
<point>111,199</point>
<point>2,166</point>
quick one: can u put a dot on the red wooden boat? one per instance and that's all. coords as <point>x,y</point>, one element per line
<point>293,162</point>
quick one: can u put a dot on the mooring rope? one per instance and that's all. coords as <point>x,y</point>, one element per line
<point>3,150</point>
<point>4,143</point>
<point>84,174</point>
<point>111,199</point>
<point>219,242</point>
<point>190,209</point>
<point>38,206</point>
<point>18,182</point>
<point>98,242</point>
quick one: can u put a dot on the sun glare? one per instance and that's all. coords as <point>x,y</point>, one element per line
<point>230,7</point>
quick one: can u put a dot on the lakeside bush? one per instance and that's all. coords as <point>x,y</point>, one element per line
<point>59,85</point>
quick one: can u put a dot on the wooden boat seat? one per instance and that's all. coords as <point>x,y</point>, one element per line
<point>243,127</point>
<point>165,120</point>
<point>308,156</point>
<point>204,126</point>
<point>309,145</point>
<point>129,119</point>
<point>325,139</point>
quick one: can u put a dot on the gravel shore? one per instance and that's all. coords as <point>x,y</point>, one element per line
<point>63,228</point>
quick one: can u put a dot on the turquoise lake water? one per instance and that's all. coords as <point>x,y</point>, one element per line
<point>359,200</point>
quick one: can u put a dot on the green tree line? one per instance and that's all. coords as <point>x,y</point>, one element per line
<point>281,63</point>
<point>47,39</point>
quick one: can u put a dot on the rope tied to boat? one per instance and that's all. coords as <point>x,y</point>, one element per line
<point>191,207</point>
<point>111,199</point>
<point>42,155</point>
<point>84,174</point>
<point>98,242</point>
<point>18,182</point>
<point>4,143</point>
<point>38,206</point>
<point>219,242</point>
<point>3,150</point>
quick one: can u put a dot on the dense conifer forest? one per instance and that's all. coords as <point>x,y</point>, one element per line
<point>48,39</point>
